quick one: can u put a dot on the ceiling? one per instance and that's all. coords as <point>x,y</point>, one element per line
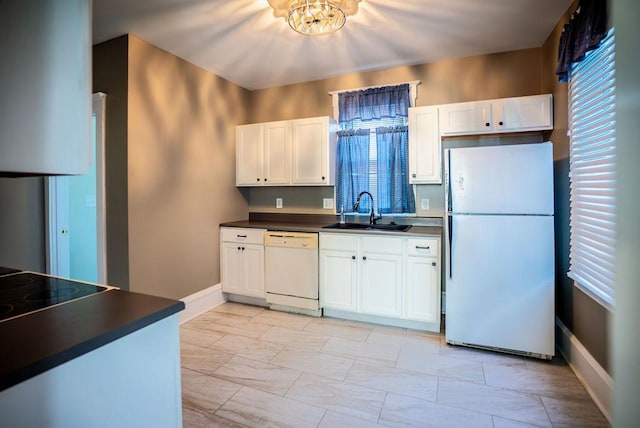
<point>241,40</point>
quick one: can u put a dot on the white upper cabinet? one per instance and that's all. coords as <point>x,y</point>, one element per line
<point>425,165</point>
<point>519,114</point>
<point>45,106</point>
<point>523,113</point>
<point>284,153</point>
<point>313,157</point>
<point>277,153</point>
<point>249,156</point>
<point>263,154</point>
<point>466,118</point>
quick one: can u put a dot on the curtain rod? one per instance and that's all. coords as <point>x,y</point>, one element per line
<point>413,82</point>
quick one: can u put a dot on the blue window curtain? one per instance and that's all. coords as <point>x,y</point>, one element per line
<point>375,103</point>
<point>395,194</point>
<point>352,169</point>
<point>358,111</point>
<point>584,32</point>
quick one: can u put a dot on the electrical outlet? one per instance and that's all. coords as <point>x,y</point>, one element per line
<point>327,203</point>
<point>424,203</point>
<point>278,202</point>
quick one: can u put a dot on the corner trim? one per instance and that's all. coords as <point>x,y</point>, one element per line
<point>201,301</point>
<point>595,379</point>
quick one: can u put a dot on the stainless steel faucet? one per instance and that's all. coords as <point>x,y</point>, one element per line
<point>372,217</point>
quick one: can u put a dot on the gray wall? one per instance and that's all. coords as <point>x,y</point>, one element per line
<point>110,75</point>
<point>22,230</point>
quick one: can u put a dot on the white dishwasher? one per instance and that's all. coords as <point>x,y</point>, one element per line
<point>291,271</point>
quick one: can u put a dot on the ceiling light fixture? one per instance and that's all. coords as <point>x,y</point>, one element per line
<point>314,17</point>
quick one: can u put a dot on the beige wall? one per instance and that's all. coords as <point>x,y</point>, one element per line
<point>181,173</point>
<point>170,167</point>
<point>475,78</point>
<point>587,319</point>
<point>463,79</point>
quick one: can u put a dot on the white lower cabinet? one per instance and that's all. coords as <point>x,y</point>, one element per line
<point>390,277</point>
<point>242,261</point>
<point>339,272</point>
<point>422,280</point>
<point>381,276</point>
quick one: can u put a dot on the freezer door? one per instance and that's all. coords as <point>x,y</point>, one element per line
<point>513,179</point>
<point>500,282</point>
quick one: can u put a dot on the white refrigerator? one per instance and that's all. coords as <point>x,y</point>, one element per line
<point>499,248</point>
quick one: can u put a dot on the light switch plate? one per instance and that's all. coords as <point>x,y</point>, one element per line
<point>278,202</point>
<point>327,203</point>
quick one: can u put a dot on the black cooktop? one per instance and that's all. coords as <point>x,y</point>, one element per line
<point>26,292</point>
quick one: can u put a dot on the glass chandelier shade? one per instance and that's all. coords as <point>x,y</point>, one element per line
<point>314,17</point>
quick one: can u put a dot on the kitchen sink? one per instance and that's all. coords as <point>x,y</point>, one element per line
<point>364,226</point>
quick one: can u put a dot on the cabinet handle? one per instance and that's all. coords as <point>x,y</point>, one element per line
<point>242,248</point>
<point>501,123</point>
<point>364,257</point>
<point>257,179</point>
<point>413,175</point>
<point>487,124</point>
<point>353,257</point>
<point>238,248</point>
<point>241,236</point>
<point>433,263</point>
<point>265,179</point>
<point>322,178</point>
<point>422,248</point>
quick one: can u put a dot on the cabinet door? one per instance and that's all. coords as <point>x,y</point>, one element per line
<point>381,284</point>
<point>466,118</point>
<point>422,300</point>
<point>425,165</point>
<point>310,142</point>
<point>523,113</point>
<point>253,270</point>
<point>277,153</point>
<point>338,280</point>
<point>231,268</point>
<point>249,155</point>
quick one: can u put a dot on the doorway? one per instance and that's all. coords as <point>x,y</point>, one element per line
<point>76,226</point>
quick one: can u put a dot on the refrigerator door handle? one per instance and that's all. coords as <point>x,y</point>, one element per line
<point>450,228</point>
<point>448,178</point>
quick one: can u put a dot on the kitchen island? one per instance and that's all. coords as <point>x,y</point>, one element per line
<point>110,359</point>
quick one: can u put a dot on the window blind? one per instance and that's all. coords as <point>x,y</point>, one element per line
<point>592,177</point>
<point>373,156</point>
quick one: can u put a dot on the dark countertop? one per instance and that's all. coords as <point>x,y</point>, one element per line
<point>317,227</point>
<point>35,343</point>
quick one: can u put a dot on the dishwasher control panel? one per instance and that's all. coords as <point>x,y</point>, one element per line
<point>291,239</point>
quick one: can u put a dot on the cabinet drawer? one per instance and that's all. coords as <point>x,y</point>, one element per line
<point>246,236</point>
<point>423,247</point>
<point>334,241</point>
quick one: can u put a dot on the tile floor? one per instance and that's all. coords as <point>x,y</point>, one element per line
<point>246,366</point>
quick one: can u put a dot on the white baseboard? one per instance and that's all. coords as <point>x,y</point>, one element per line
<point>595,379</point>
<point>201,301</point>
